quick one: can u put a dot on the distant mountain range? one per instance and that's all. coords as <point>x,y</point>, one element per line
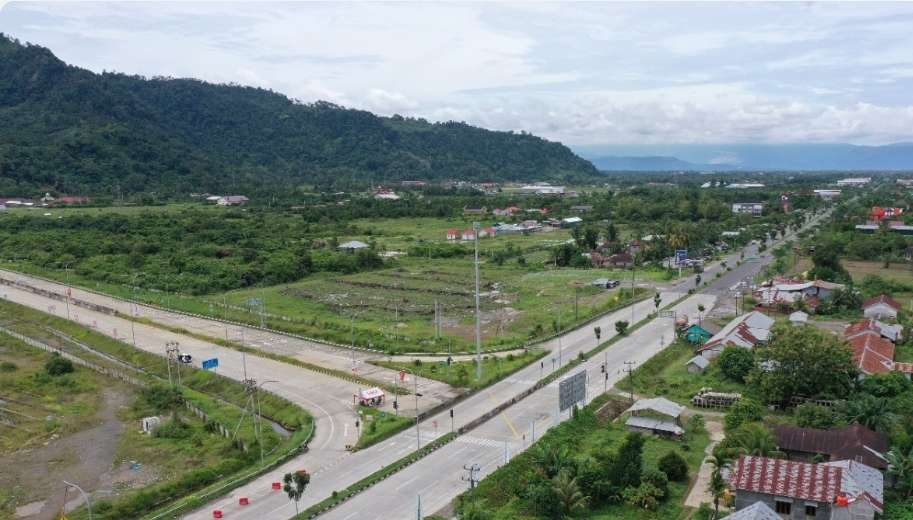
<point>728,157</point>
<point>69,130</point>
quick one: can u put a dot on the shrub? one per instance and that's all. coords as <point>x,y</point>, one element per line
<point>162,398</point>
<point>811,415</point>
<point>8,366</point>
<point>743,411</point>
<point>674,466</point>
<point>174,428</point>
<point>58,365</point>
<point>657,479</point>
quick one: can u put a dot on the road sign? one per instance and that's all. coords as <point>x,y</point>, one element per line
<point>681,255</point>
<point>572,390</point>
<point>210,363</point>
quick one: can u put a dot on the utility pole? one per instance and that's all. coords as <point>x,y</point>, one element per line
<point>66,269</point>
<point>475,232</point>
<point>630,370</point>
<point>84,496</point>
<point>560,349</point>
<point>473,477</point>
<point>633,271</point>
<point>171,352</point>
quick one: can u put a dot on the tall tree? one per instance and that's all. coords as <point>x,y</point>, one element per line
<point>295,484</point>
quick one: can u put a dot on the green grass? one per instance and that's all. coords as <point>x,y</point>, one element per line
<point>462,373</point>
<point>39,405</point>
<point>584,436</point>
<point>665,375</point>
<point>377,426</point>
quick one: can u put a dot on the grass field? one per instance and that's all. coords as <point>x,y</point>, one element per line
<point>462,373</point>
<point>377,425</point>
<point>665,375</point>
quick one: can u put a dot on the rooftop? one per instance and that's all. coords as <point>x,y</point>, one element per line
<point>855,442</point>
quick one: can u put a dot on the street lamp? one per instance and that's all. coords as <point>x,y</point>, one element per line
<point>85,496</point>
<point>259,429</point>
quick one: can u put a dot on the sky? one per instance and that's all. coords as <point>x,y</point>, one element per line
<point>581,73</point>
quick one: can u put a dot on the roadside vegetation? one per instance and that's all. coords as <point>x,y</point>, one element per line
<point>462,373</point>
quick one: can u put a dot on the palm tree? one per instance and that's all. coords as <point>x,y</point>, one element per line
<point>717,484</point>
<point>870,411</point>
<point>568,493</point>
<point>551,459</point>
<point>900,466</point>
<point>295,484</point>
<point>754,439</point>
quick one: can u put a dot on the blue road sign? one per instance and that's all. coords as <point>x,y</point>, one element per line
<point>210,363</point>
<point>680,256</point>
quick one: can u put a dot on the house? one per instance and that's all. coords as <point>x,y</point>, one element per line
<point>697,364</point>
<point>413,184</point>
<point>658,416</point>
<point>754,209</point>
<point>453,234</point>
<point>584,208</point>
<point>877,214</point>
<point>571,222</point>
<point>487,232</point>
<point>619,260</point>
<point>872,353</point>
<point>893,333</point>
<point>854,181</point>
<point>542,189</point>
<point>882,306</point>
<point>213,199</point>
<point>505,212</point>
<point>756,511</point>
<point>803,491</point>
<point>698,334</point>
<point>69,200</point>
<point>530,225</point>
<point>385,194</point>
<point>746,331</point>
<point>744,185</point>
<point>895,226</point>
<point>353,245</point>
<point>854,442</point>
<point>475,211</point>
<point>788,292</point>
<point>232,200</point>
<point>798,318</point>
<point>827,194</point>
<point>635,247</point>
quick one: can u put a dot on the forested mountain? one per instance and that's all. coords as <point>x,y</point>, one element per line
<point>66,129</point>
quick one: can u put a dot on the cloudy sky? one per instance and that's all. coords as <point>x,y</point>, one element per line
<point>587,73</point>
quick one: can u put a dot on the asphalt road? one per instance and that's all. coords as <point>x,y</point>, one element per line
<point>266,503</point>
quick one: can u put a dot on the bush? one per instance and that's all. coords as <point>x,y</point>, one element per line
<point>674,466</point>
<point>162,398</point>
<point>174,428</point>
<point>811,415</point>
<point>8,366</point>
<point>743,411</point>
<point>58,365</point>
<point>657,479</point>
<point>736,363</point>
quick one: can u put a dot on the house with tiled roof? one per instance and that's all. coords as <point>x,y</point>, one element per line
<point>890,332</point>
<point>854,442</point>
<point>881,307</point>
<point>453,234</point>
<point>789,292</point>
<point>872,354</point>
<point>746,331</point>
<point>801,490</point>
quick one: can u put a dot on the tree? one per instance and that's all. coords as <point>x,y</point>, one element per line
<point>644,496</point>
<point>627,468</point>
<point>674,466</point>
<point>900,466</point>
<point>475,510</point>
<point>295,484</point>
<point>743,411</point>
<point>568,493</point>
<point>551,459</point>
<point>717,484</point>
<point>804,362</point>
<point>58,365</point>
<point>621,327</point>
<point>736,363</point>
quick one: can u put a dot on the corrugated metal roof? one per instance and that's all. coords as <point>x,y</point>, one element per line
<point>649,423</point>
<point>787,478</point>
<point>756,511</point>
<point>659,405</point>
<point>855,442</point>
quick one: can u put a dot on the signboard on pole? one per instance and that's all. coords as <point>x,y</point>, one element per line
<point>210,363</point>
<point>572,390</point>
<point>681,256</point>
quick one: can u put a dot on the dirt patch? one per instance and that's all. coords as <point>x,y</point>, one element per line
<point>86,457</point>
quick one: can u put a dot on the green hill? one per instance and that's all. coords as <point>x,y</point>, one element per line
<point>70,130</point>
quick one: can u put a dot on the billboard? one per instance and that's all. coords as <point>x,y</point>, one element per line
<point>572,390</point>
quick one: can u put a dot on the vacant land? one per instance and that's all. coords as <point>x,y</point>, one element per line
<point>665,375</point>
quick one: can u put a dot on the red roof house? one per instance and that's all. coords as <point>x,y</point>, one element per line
<point>882,306</point>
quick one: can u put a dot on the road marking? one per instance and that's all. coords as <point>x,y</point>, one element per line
<point>504,417</point>
<point>406,483</point>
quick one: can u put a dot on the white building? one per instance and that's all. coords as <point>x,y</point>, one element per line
<point>751,208</point>
<point>232,200</point>
<point>744,185</point>
<point>746,331</point>
<point>827,194</point>
<point>854,181</point>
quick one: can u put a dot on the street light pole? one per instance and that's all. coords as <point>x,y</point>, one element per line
<point>85,496</point>
<point>66,269</point>
<point>475,229</point>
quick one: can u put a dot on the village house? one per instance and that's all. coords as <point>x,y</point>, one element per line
<point>798,318</point>
<point>617,260</point>
<point>352,246</point>
<point>635,247</point>
<point>505,212</point>
<point>893,333</point>
<point>804,491</point>
<point>746,331</point>
<point>896,226</point>
<point>854,442</point>
<point>583,208</point>
<point>413,184</point>
<point>873,347</point>
<point>382,193</point>
<point>827,194</point>
<point>789,292</point>
<point>756,511</point>
<point>658,416</point>
<point>232,200</point>
<point>881,307</point>
<point>453,234</point>
<point>754,209</point>
<point>698,334</point>
<point>697,364</point>
<point>475,211</point>
<point>570,222</point>
<point>877,214</point>
<point>854,181</point>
